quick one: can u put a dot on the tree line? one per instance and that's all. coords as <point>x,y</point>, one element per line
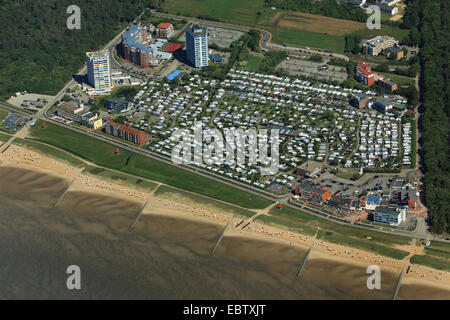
<point>38,53</point>
<point>430,20</point>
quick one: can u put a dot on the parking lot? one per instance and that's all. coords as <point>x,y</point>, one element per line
<point>298,67</point>
<point>219,36</point>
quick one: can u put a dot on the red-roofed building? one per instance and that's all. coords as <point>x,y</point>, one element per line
<point>126,132</point>
<point>173,47</point>
<point>309,192</point>
<point>164,30</point>
<point>363,74</point>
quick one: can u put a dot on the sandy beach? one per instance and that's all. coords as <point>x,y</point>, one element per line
<point>178,207</point>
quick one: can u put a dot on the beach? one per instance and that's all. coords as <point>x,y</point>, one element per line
<point>165,253</point>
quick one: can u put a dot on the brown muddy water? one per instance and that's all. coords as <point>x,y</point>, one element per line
<point>161,258</point>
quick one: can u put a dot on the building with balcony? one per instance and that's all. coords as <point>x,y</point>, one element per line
<point>389,215</point>
<point>133,46</point>
<point>376,45</point>
<point>99,73</point>
<point>197,46</point>
<point>126,132</point>
<point>164,30</point>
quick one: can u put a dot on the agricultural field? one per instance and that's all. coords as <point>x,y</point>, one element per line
<point>315,23</point>
<point>287,27</point>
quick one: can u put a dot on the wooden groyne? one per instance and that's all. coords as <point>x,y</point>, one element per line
<point>220,238</point>
<point>7,144</point>
<point>61,197</point>
<point>299,273</point>
<point>139,215</point>
<point>397,288</point>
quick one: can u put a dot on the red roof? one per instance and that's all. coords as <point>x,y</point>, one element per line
<point>163,25</point>
<point>127,128</point>
<point>172,47</point>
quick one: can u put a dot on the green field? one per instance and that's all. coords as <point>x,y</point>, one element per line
<point>171,192</point>
<point>295,220</point>
<point>253,63</point>
<point>430,261</point>
<point>243,12</point>
<point>4,137</point>
<point>397,33</point>
<point>355,242</point>
<point>400,80</point>
<point>102,153</point>
<point>290,223</point>
<point>301,38</point>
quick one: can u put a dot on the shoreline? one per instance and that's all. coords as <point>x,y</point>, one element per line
<point>184,208</point>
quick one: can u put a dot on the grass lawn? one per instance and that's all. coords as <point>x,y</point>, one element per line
<point>356,242</point>
<point>102,153</point>
<point>438,253</point>
<point>440,246</point>
<point>167,191</point>
<point>4,137</point>
<point>400,80</point>
<point>295,37</point>
<point>287,222</point>
<point>253,63</point>
<point>433,262</point>
<point>437,256</point>
<point>397,33</point>
<point>347,173</point>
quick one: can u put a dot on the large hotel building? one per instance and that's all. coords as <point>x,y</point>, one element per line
<point>197,46</point>
<point>126,132</point>
<point>376,45</point>
<point>132,47</point>
<point>99,74</point>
